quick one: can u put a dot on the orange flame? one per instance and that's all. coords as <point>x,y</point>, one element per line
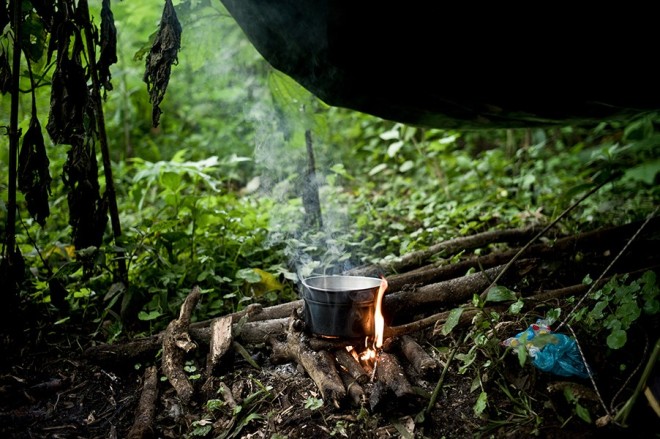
<point>379,320</point>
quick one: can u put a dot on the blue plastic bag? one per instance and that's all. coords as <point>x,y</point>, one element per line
<point>554,353</point>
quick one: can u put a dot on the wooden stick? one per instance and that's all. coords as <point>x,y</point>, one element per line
<point>146,409</point>
<point>451,291</point>
<point>390,372</point>
<point>421,361</point>
<point>351,365</point>
<point>318,365</point>
<point>354,389</point>
<point>221,342</point>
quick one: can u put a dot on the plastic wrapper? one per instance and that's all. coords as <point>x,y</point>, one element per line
<point>550,352</point>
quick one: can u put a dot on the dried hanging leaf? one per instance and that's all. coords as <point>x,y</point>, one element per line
<point>33,174</point>
<point>162,55</point>
<point>5,74</point>
<point>108,54</point>
<point>88,212</point>
<point>69,96</point>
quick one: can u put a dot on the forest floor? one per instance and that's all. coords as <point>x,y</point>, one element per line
<point>49,388</point>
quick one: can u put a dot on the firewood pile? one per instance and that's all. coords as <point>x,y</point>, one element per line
<point>423,289</point>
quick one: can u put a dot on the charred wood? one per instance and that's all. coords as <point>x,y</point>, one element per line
<point>353,388</point>
<point>351,365</point>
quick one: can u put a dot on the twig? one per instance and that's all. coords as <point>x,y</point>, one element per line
<point>607,269</point>
<point>438,386</point>
<point>538,235</point>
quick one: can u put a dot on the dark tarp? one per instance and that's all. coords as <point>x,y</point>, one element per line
<point>477,67</point>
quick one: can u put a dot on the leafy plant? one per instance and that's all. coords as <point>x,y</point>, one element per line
<point>619,304</point>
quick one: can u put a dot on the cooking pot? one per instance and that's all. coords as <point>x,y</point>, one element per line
<point>340,306</point>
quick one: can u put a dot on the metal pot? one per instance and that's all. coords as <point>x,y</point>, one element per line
<point>340,306</point>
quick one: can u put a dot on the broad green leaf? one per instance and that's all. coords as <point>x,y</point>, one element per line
<point>376,169</point>
<point>249,275</point>
<point>597,312</point>
<point>480,405</point>
<point>516,307</point>
<point>500,294</point>
<point>452,320</point>
<point>394,148</point>
<point>617,339</point>
<point>151,315</point>
<point>521,351</point>
<point>406,166</point>
<point>582,412</point>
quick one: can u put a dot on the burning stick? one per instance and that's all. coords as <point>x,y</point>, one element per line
<point>351,365</point>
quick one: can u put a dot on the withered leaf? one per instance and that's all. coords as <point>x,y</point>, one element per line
<point>33,174</point>
<point>69,96</point>
<point>161,57</point>
<point>5,74</point>
<point>108,54</point>
<point>88,212</point>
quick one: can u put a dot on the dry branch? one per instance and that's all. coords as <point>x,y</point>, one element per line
<point>444,249</point>
<point>452,291</point>
<point>146,409</point>
<point>176,343</point>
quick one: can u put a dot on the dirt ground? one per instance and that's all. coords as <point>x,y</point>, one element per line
<point>48,389</point>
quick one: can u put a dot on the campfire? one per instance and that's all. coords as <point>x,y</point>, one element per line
<point>340,363</point>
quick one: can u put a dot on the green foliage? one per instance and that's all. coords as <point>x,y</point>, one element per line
<point>619,304</point>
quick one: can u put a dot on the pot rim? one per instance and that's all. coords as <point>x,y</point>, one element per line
<point>362,283</point>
